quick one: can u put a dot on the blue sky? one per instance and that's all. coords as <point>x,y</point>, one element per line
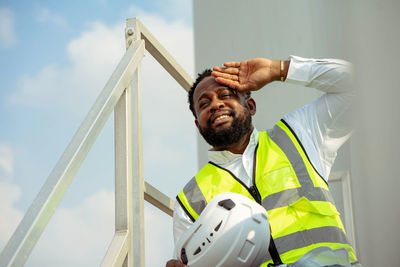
<point>55,59</point>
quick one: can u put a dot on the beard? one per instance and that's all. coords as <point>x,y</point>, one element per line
<point>240,126</point>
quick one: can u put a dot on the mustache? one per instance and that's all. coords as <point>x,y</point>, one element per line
<point>231,113</point>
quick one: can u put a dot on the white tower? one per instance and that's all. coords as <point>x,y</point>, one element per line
<point>363,32</point>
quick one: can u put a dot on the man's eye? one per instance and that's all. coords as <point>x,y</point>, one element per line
<point>203,104</point>
<point>227,95</point>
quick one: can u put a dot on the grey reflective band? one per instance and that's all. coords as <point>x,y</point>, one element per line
<point>300,239</point>
<point>184,209</point>
<point>307,189</point>
<point>327,234</point>
<point>280,138</point>
<point>289,196</point>
<point>194,196</point>
<point>302,147</point>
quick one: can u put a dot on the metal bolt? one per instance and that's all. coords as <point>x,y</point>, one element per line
<point>130,32</point>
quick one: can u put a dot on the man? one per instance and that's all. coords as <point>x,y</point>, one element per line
<point>284,169</point>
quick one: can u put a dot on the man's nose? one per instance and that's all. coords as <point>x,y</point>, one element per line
<point>217,104</point>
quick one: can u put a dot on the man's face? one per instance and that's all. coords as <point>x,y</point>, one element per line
<point>223,114</point>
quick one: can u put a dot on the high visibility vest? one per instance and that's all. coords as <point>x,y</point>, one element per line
<point>301,210</point>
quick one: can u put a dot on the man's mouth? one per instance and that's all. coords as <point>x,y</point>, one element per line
<point>221,118</point>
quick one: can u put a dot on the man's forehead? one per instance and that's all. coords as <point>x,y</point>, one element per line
<point>207,84</point>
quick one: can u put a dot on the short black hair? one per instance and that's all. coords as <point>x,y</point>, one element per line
<point>206,73</point>
<point>200,77</point>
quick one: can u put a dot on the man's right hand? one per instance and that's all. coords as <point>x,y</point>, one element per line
<point>249,75</point>
<point>175,263</point>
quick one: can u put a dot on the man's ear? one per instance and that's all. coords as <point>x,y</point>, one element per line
<point>251,103</point>
<point>197,123</point>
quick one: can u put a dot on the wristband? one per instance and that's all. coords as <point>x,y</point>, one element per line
<point>282,67</point>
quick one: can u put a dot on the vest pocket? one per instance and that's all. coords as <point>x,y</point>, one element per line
<point>280,179</point>
<point>322,208</point>
<point>316,219</point>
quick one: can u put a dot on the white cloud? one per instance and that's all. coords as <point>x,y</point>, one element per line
<point>10,216</point>
<point>158,237</point>
<point>6,162</point>
<point>169,130</point>
<point>7,30</point>
<point>172,10</point>
<point>182,9</point>
<point>77,236</point>
<point>96,48</point>
<point>46,16</point>
<point>74,236</point>
<point>9,194</point>
<point>80,236</point>
<point>93,56</point>
<point>175,35</point>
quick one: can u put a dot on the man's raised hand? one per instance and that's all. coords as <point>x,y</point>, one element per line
<point>248,75</point>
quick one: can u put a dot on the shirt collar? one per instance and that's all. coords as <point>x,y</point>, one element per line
<point>224,156</point>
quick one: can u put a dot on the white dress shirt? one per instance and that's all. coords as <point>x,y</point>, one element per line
<point>320,126</point>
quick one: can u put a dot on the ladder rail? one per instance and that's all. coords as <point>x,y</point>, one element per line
<point>155,48</point>
<point>43,207</point>
<point>122,93</point>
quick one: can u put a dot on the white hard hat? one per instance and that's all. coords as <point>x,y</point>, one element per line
<point>232,230</point>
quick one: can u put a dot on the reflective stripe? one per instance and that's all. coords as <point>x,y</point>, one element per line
<point>321,214</point>
<point>327,234</point>
<point>305,238</point>
<point>307,189</point>
<point>185,209</point>
<point>194,196</point>
<point>280,137</point>
<point>288,196</point>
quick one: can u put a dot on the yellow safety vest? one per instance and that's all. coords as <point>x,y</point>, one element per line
<point>301,210</point>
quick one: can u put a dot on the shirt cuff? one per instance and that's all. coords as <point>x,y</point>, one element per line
<point>299,70</point>
<point>303,70</point>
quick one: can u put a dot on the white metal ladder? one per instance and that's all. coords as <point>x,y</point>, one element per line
<point>122,93</point>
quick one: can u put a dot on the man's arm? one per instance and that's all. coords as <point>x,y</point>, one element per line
<point>321,126</point>
<point>181,223</point>
<point>317,125</point>
<point>252,74</point>
<point>324,125</point>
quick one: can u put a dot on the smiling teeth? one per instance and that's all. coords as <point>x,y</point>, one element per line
<point>221,117</point>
